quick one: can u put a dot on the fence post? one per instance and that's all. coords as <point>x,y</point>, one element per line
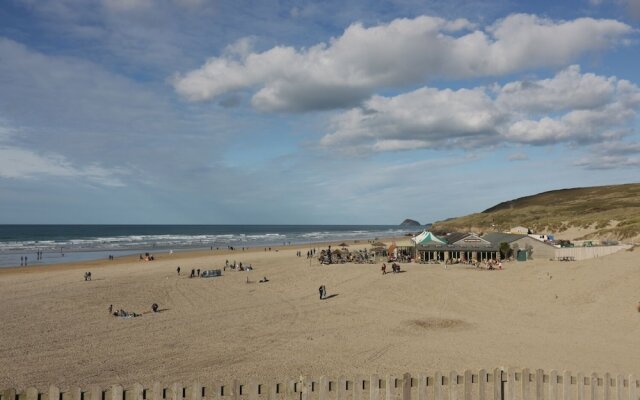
<point>374,388</point>
<point>422,387</point>
<point>290,391</point>
<point>580,383</point>
<point>117,392</point>
<point>95,393</point>
<point>31,393</point>
<point>76,393</point>
<point>273,391</point>
<point>324,388</point>
<point>633,389</point>
<point>453,383</point>
<point>482,384</point>
<point>156,392</point>
<point>594,386</point>
<point>136,391</point>
<point>619,387</point>
<point>566,385</point>
<point>539,384</point>
<point>252,390</point>
<point>53,394</point>
<point>341,393</point>
<point>607,386</point>
<point>390,388</point>
<point>235,390</point>
<point>553,385</point>
<point>497,384</point>
<point>437,388</point>
<point>358,388</point>
<point>406,386</point>
<point>468,384</point>
<point>524,385</point>
<point>511,384</point>
<point>10,394</point>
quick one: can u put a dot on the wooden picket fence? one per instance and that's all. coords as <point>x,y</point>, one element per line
<point>499,384</point>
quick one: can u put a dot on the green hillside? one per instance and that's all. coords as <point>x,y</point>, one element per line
<point>611,211</point>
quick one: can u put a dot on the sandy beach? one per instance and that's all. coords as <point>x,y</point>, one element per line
<point>55,327</point>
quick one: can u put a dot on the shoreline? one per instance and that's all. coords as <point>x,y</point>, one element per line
<point>180,255</point>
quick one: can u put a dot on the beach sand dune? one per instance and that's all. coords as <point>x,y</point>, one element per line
<point>55,328</point>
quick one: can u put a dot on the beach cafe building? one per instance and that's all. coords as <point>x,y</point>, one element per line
<point>460,246</point>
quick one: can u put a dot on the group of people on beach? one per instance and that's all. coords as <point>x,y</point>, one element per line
<point>147,257</point>
<point>87,276</point>
<point>239,266</point>
<point>394,268</point>
<point>129,314</point>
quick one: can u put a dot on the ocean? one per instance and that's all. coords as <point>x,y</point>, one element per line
<point>67,243</point>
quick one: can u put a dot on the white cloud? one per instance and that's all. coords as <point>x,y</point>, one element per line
<point>17,162</point>
<point>349,68</point>
<point>570,107</point>
<point>568,90</point>
<point>426,117</point>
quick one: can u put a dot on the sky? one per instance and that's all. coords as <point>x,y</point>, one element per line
<point>303,112</point>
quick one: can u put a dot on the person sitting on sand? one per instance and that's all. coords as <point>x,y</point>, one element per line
<point>263,280</point>
<point>154,307</point>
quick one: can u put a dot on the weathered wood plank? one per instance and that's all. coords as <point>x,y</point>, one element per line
<point>553,385</point>
<point>633,388</point>
<point>453,385</point>
<point>137,392</point>
<point>468,384</point>
<point>52,394</point>
<point>323,389</point>
<point>539,384</point>
<point>566,385</point>
<point>390,388</point>
<point>75,393</point>
<point>374,387</point>
<point>341,393</point>
<point>421,393</point>
<point>594,386</point>
<point>482,384</point>
<point>580,385</point>
<point>406,386</point>
<point>524,384</point>
<point>606,383</point>
<point>497,384</point>
<point>156,392</point>
<point>117,392</point>
<point>31,393</point>
<point>511,384</point>
<point>619,387</point>
<point>252,390</point>
<point>437,387</point>
<point>358,388</point>
<point>272,391</point>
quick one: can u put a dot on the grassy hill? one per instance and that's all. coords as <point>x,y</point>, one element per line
<point>601,211</point>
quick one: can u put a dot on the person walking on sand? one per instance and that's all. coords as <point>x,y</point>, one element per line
<point>178,269</point>
<point>110,308</point>
<point>321,290</point>
<point>384,269</point>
